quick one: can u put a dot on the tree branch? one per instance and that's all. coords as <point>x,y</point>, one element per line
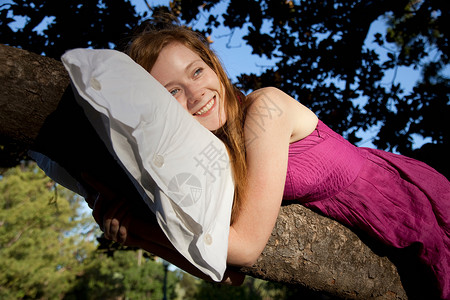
<point>305,248</point>
<point>314,251</point>
<point>32,86</point>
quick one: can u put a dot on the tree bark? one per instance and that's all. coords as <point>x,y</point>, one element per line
<point>313,251</point>
<point>305,248</point>
<point>31,87</point>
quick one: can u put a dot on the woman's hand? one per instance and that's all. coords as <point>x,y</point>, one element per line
<point>114,216</point>
<point>110,211</point>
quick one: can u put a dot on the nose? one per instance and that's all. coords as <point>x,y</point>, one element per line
<point>194,94</point>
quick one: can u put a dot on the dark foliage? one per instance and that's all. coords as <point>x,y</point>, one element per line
<point>320,48</point>
<point>72,24</point>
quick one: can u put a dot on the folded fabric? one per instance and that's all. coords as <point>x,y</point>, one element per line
<point>180,169</point>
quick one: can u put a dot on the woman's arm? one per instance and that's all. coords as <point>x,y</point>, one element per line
<point>273,121</point>
<point>144,241</point>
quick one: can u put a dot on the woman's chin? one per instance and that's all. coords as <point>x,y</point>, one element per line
<point>212,124</point>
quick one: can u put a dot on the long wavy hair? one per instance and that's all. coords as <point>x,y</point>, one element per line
<point>144,48</point>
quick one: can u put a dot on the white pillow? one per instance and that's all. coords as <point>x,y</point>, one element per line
<point>180,168</point>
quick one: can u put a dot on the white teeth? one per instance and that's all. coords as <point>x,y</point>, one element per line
<point>205,108</point>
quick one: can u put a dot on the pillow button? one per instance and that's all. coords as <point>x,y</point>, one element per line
<point>208,239</point>
<point>158,160</point>
<point>95,84</point>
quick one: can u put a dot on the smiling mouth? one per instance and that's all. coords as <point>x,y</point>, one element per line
<point>206,108</point>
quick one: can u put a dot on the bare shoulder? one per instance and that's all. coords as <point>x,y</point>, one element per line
<point>268,94</point>
<point>271,104</point>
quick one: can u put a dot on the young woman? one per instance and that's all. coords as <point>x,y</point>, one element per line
<point>280,150</point>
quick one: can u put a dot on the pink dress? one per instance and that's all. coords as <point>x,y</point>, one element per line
<point>397,200</point>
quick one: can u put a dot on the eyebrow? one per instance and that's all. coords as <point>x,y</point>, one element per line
<point>186,68</point>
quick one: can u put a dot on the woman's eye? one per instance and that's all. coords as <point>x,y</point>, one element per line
<point>198,72</point>
<point>174,92</point>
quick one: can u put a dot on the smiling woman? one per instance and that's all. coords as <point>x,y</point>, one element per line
<point>193,83</point>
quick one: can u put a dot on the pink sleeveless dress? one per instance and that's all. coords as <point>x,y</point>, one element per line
<point>395,199</point>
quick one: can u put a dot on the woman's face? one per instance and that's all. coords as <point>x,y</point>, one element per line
<point>193,83</point>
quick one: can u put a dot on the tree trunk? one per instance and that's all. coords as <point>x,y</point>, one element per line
<point>305,248</point>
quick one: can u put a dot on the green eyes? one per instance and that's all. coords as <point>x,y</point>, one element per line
<point>196,73</point>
